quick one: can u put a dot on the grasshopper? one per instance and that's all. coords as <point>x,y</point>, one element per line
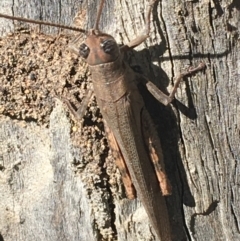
<point>130,131</point>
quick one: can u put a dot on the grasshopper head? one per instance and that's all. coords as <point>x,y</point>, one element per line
<point>99,48</point>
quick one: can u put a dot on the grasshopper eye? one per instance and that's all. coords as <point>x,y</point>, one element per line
<point>84,51</point>
<point>108,46</point>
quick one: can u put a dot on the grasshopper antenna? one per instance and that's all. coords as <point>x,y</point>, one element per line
<point>99,15</point>
<point>43,23</point>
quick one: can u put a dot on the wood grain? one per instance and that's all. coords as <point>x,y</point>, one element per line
<point>50,192</point>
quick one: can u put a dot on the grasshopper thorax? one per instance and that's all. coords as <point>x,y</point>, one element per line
<point>99,48</point>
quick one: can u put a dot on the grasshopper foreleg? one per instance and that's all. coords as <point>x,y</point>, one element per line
<point>190,71</point>
<point>78,115</point>
<point>141,38</point>
<point>167,99</point>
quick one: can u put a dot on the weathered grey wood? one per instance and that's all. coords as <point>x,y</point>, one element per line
<point>57,11</point>
<point>44,197</point>
<point>37,182</point>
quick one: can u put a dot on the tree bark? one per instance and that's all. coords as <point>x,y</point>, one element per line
<point>58,180</point>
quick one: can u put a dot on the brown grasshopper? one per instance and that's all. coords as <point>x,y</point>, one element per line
<point>130,131</point>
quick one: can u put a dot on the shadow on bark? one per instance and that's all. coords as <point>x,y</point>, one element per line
<point>167,123</point>
<point>1,237</point>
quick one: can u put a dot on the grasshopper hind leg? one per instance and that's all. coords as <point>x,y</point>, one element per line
<point>120,162</point>
<point>155,151</point>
